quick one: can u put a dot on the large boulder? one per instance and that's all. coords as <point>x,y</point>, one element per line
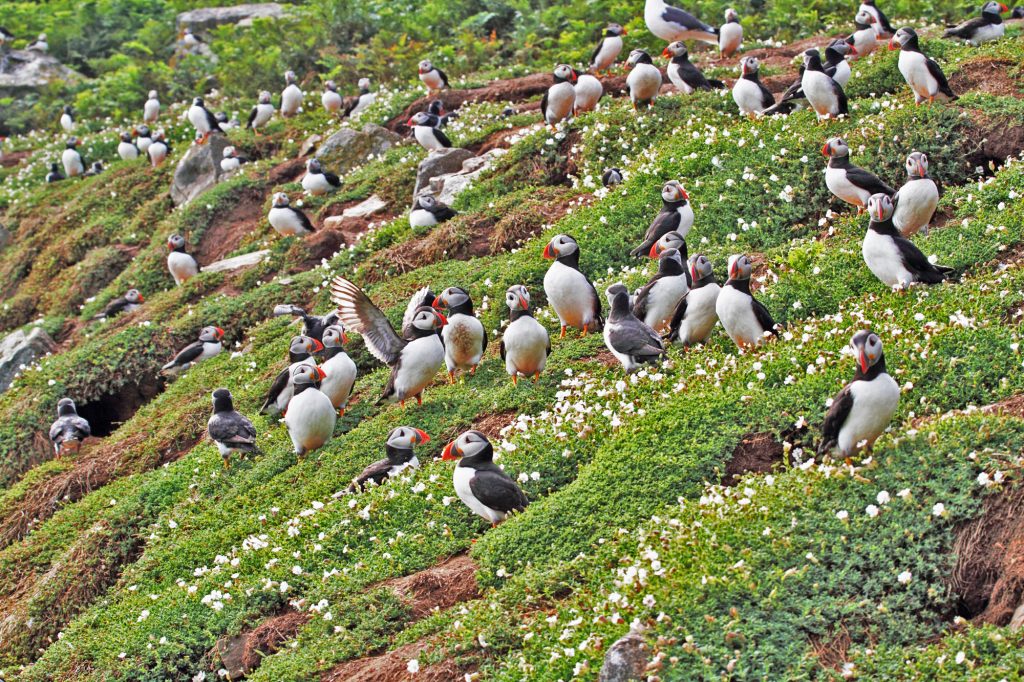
<point>348,148</point>
<point>25,70</point>
<point>627,659</point>
<point>198,170</point>
<point>18,350</point>
<point>447,187</point>
<point>440,162</point>
<point>200,21</point>
<point>236,262</point>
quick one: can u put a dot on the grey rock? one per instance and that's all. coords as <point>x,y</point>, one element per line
<point>440,162</point>
<point>20,349</point>
<point>626,659</point>
<point>198,170</point>
<point>26,70</point>
<point>202,20</point>
<point>309,144</point>
<point>374,204</point>
<point>243,261</point>
<point>447,187</point>
<point>348,148</point>
<point>1017,621</point>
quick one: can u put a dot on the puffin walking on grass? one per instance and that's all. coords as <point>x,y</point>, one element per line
<point>202,120</point>
<point>208,345</point>
<point>923,74</point>
<point>608,49</point>
<point>339,368</point>
<point>300,352</point>
<point>428,211</point>
<point>569,292</point>
<point>317,181</point>
<point>431,76</point>
<point>426,131</point>
<point>67,119</point>
<point>862,410</point>
<point>559,100</point>
<point>672,24</point>
<point>71,159</point>
<point>151,109</point>
<point>730,34</point>
<point>414,361</point>
<point>890,256</point>
<point>310,416</point>
<point>989,26</point>
<point>644,79</point>
<point>465,339</point>
<point>525,345</point>
<point>330,98</point>
<point>747,322</point>
<point>399,457</point>
<point>261,113</point>
<point>69,430</point>
<point>180,264</point>
<point>231,431</point>
<point>313,325</point>
<point>630,340</point>
<point>481,484</point>
<point>683,74</point>
<point>126,149</point>
<point>676,215</point>
<point>287,220</point>
<point>915,203</point>
<point>823,93</point>
<point>131,300</point>
<point>850,183</point>
<point>696,315</point>
<point>291,96</point>
<point>750,95</point>
<point>655,302</point>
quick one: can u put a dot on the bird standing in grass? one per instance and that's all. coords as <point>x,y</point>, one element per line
<point>823,93</point>
<point>330,98</point>
<point>291,96</point>
<point>848,182</point>
<point>339,368</point>
<point>559,100</point>
<point>230,430</point>
<point>730,34</point>
<point>465,339</point>
<point>644,79</point>
<point>318,181</point>
<point>131,300</point>
<point>608,49</point>
<point>126,149</point>
<point>180,264</point>
<point>431,76</point>
<point>683,73</point>
<point>676,215</point>
<point>481,484</point>
<point>569,292</point>
<point>68,432</point>
<point>310,416</point>
<point>890,256</point>
<point>151,109</point>
<point>428,211</point>
<point>915,203</point>
<point>287,220</point>
<point>750,95</point>
<point>745,319</point>
<point>630,340</point>
<point>525,345</point>
<point>655,302</point>
<point>696,315</point>
<point>202,120</point>
<point>923,74</point>
<point>988,26</point>
<point>72,159</point>
<point>261,113</point>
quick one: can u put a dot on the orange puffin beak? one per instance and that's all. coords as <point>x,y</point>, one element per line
<point>220,332</point>
<point>693,272</point>
<point>322,374</point>
<point>825,150</point>
<point>437,304</point>
<point>549,253</point>
<point>655,251</point>
<point>892,43</point>
<point>921,170</point>
<point>344,336</point>
<point>523,302</point>
<point>409,123</point>
<point>862,359</point>
<point>574,77</point>
<point>732,270</point>
<point>142,298</point>
<point>422,436</point>
<point>317,346</point>
<point>665,53</point>
<point>853,50</point>
<point>444,320</point>
<point>450,452</point>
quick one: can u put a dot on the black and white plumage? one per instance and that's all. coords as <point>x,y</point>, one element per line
<point>126,149</point>
<point>54,175</point>
<point>883,28</point>
<point>291,96</point>
<point>228,429</point>
<point>862,410</point>
<point>981,29</point>
<point>151,109</point>
<point>301,350</point>
<point>890,256</point>
<point>589,92</point>
<point>318,181</point>
<point>203,120</point>
<point>363,101</point>
<point>730,34</point>
<point>67,119</point>
<point>749,93</point>
<point>71,159</point>
<point>414,361</point>
<point>823,93</point>
<point>287,220</point>
<point>310,416</point>
<point>683,73</point>
<point>569,292</point>
<point>676,215</point>
<point>834,65</point>
<point>338,366</point>
<point>696,315</point>
<point>131,300</point>
<point>848,182</point>
<point>428,211</point>
<point>180,264</point>
<point>745,319</point>
<point>655,302</point>
<point>231,160</point>
<point>420,298</point>
<point>669,240</point>
<point>629,339</point>
<point>313,326</point>
<point>331,99</point>
<point>559,100</point>
<point>436,107</point>
<point>143,138</point>
<point>208,345</point>
<point>1018,12</point>
<point>864,39</point>
<point>94,169</point>
<point>611,177</point>
<point>159,149</point>
<point>261,113</point>
<point>40,44</point>
<point>923,74</point>
<point>525,345</point>
<point>465,339</point>
<point>672,24</point>
<point>608,48</point>
<point>644,79</point>
<point>69,430</point>
<point>188,42</point>
<point>431,76</point>
<point>425,129</point>
<point>399,456</point>
<point>481,484</point>
<point>915,203</point>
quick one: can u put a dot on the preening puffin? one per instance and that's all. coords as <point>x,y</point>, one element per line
<point>413,361</point>
<point>339,368</point>
<point>231,431</point>
<point>364,100</point>
<point>823,93</point>
<point>569,292</point>
<point>317,181</point>
<point>71,159</point>
<point>630,340</point>
<point>655,302</point>
<point>313,326</point>
<point>850,183</point>
<point>989,26</point>
<point>261,113</point>
<point>672,24</point>
<point>481,484</point>
<point>923,74</point>
<point>465,339</point>
<point>126,149</point>
<point>433,77</point>
<point>890,256</point>
<point>69,430</point>
<point>730,34</point>
<point>208,345</point>
<point>696,315</point>
<point>644,79</point>
<point>915,203</point>
<point>608,49</point>
<point>747,322</point>
<point>399,457</point>
<point>428,211</point>
<point>425,129</point>
<point>286,220</point>
<point>310,416</point>
<point>863,409</point>
<point>151,109</point>
<point>676,215</point>
<point>291,96</point>
<point>525,345</point>
<point>202,120</point>
<point>331,99</point>
<point>750,95</point>
<point>300,352</point>
<point>559,100</point>
<point>131,300</point>
<point>181,265</point>
<point>682,72</point>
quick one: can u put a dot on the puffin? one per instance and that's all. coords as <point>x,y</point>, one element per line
<point>131,300</point>
<point>261,113</point>
<point>425,130</point>
<point>300,352</point>
<point>923,75</point>
<point>670,240</point>
<point>339,368</point>
<point>231,160</point>
<point>414,361</point>
<point>883,29</point>
<point>398,456</point>
<point>287,220</point>
<point>608,49</point>
<point>672,24</point>
<point>231,431</point>
<point>862,410</point>
<point>40,44</point>
<point>730,34</point>
<point>834,65</point>
<point>436,107</point>
<point>1018,12</point>
<point>224,123</point>
<point>890,256</point>
<point>481,484</point>
<point>419,299</point>
<point>683,74</point>
<point>589,92</point>
<point>696,315</point>
<point>915,203</point>
<point>94,169</point>
<point>54,175</point>
<point>151,109</point>
<point>823,93</point>
<point>180,264</point>
<point>291,96</point>
<point>159,149</point>
<point>676,215</point>
<point>630,340</point>
<point>317,181</point>
<point>310,416</point>
<point>989,26</point>
<point>644,79</point>
<point>69,430</point>
<point>559,100</point>
<point>126,149</point>
<point>67,119</point>
<point>525,345</point>
<point>331,99</point>
<point>428,211</point>
<point>143,138</point>
<point>611,177</point>
<point>208,345</point>
<point>745,319</point>
<point>850,183</point>
<point>431,76</point>
<point>656,302</point>
<point>864,39</point>
<point>569,292</point>
<point>189,42</point>
<point>364,100</point>
<point>750,95</point>
<point>465,339</point>
<point>313,326</point>
<point>71,159</point>
<point>202,120</point>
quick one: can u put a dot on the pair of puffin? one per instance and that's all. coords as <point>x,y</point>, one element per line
<point>426,129</point>
<point>676,215</point>
<point>287,220</point>
<point>569,95</point>
<point>208,345</point>
<point>301,350</point>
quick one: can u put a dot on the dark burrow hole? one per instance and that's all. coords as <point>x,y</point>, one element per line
<point>106,414</point>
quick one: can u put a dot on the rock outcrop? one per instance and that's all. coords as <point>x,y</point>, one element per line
<point>202,20</point>
<point>348,148</point>
<point>447,187</point>
<point>18,350</point>
<point>26,70</point>
<point>198,170</point>
<point>440,162</point>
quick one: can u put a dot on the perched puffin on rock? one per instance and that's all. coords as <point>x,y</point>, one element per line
<point>890,256</point>
<point>989,26</point>
<point>425,129</point>
<point>644,79</point>
<point>54,175</point>
<point>126,149</point>
<point>823,93</point>
<point>151,109</point>
<point>231,431</point>
<point>159,149</point>
<point>67,119</point>
<point>313,325</point>
<point>181,265</point>
<point>287,220</point>
<point>569,292</point>
<point>655,302</point>
<point>428,211</point>
<point>730,34</point>
<point>630,340</point>
<point>69,430</point>
<point>683,74</point>
<point>883,29</point>
<point>850,183</point>
<point>611,177</point>
<point>525,345</point>
<point>696,315</point>
<point>131,300</point>
<point>71,159</point>
<point>364,100</point>
<point>291,96</point>
<point>559,100</point>
<point>202,120</point>
<point>399,457</point>
<point>465,339</point>
<point>40,44</point>
<point>672,24</point>
<point>676,215</point>
<point>339,368</point>
<point>863,409</point>
<point>608,49</point>
<point>431,76</point>
<point>261,113</point>
<point>749,93</point>
<point>864,39</point>
<point>589,92</point>
<point>310,416</point>
<point>208,345</point>
<point>923,74</point>
<point>481,484</point>
<point>745,319</point>
<point>317,181</point>
<point>331,99</point>
<point>915,203</point>
<point>414,361</point>
<point>300,352</point>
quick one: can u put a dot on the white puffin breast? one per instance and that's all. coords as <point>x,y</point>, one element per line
<point>644,82</point>
<point>286,222</point>
<point>874,404</point>
<point>463,341</point>
<point>701,315</point>
<point>569,293</point>
<point>747,96</point>
<point>883,259</point>
<point>588,92</point>
<point>561,99</point>
<point>310,419</point>
<point>461,478</point>
<point>610,49</point>
<point>419,363</point>
<point>918,200</point>
<point>419,217</point>
<point>316,184</point>
<point>425,136</point>
<point>526,342</point>
<point>736,311</point>
<point>676,77</point>
<point>341,375</point>
<point>840,185</point>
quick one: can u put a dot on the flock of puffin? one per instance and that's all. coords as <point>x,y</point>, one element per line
<point>682,303</point>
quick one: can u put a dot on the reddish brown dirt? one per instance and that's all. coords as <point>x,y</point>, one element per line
<point>14,158</point>
<point>988,75</point>
<point>831,651</point>
<point>756,452</point>
<point>492,424</point>
<point>392,666</point>
<point>996,138</point>
<point>498,140</point>
<point>352,228</point>
<point>288,171</point>
<point>243,653</point>
<point>308,252</point>
<point>437,588</point>
<point>230,226</point>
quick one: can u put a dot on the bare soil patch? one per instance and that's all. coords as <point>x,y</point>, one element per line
<point>230,226</point>
<point>756,452</point>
